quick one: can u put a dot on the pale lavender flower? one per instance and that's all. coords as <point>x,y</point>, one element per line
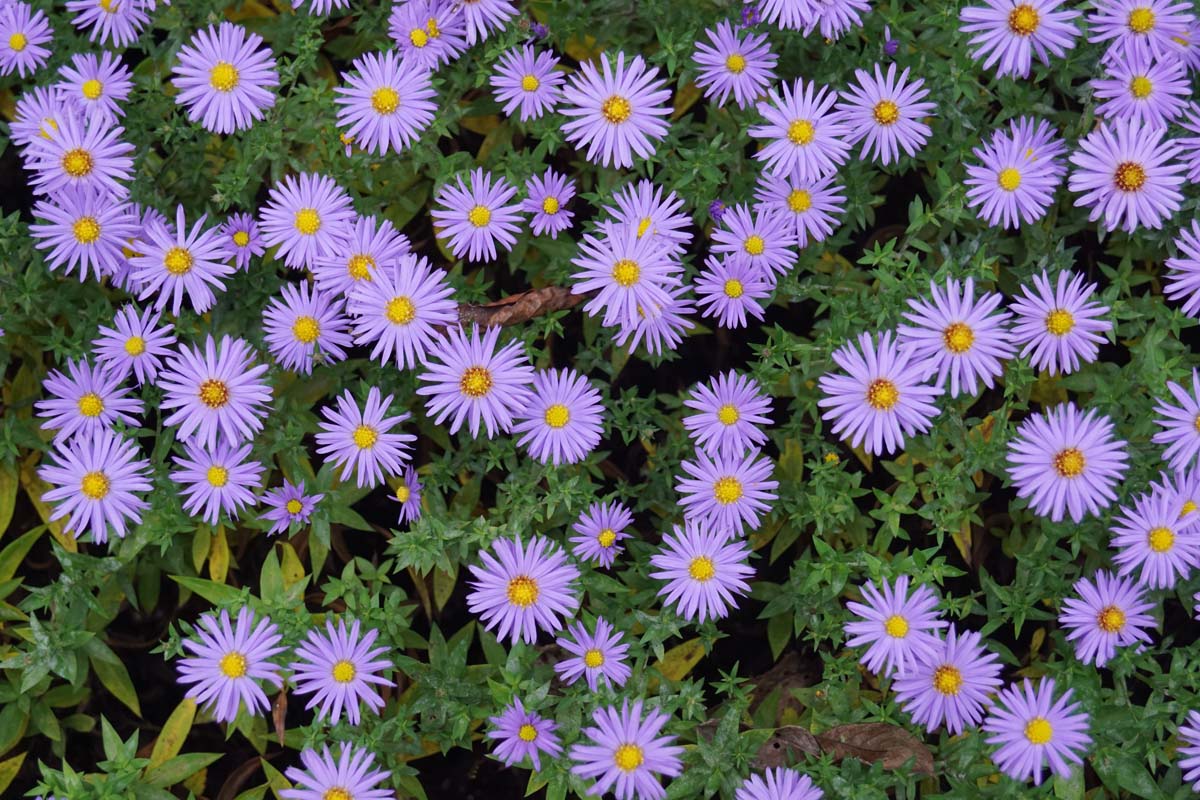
<point>307,216</point>
<point>656,215</point>
<point>95,85</point>
<point>482,17</point>
<point>477,217</point>
<point>83,227</point>
<point>371,247</point>
<point>886,114</point>
<point>807,138</point>
<point>1180,424</point>
<point>763,239</point>
<point>659,326</point>
<point>228,660</point>
<point>599,532</point>
<point>528,81</point>
<point>1009,34</point>
<point>1032,728</point>
<point>899,627</point>
<point>174,262</point>
<point>740,64</point>
<point>1061,326</point>
<point>24,32</point>
<point>631,275</point>
<point>951,684</point>
<point>93,479</point>
<point>628,754</point>
<point>303,324</point>
<point>136,343</point>
<point>352,776</point>
<point>122,22</point>
<point>616,112</point>
<point>1156,539</point>
<point>216,480</point>
<point>1136,28</point>
<point>363,442</point>
<point>1012,183</point>
<point>811,207</point>
<point>704,571</point>
<point>226,78</point>
<point>1183,276</point>
<point>731,288</point>
<point>1146,92</point>
<point>546,196</point>
<point>1189,753</point>
<point>727,493</point>
<point>242,239</point>
<point>598,656</point>
<point>520,733</point>
<point>408,495</point>
<point>288,504</point>
<point>219,388</point>
<point>341,669</point>
<point>84,400</point>
<point>74,152</point>
<point>386,103</point>
<point>778,783</point>
<point>428,33</point>
<point>563,419</point>
<point>1109,613</point>
<point>523,588</point>
<point>729,410</point>
<point>399,310</point>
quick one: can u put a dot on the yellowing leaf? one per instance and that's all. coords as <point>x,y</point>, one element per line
<point>174,733</point>
<point>679,660</point>
<point>112,673</point>
<point>218,556</point>
<point>685,98</point>
<point>249,9</point>
<point>35,487</point>
<point>962,539</point>
<point>201,542</point>
<point>582,50</point>
<point>9,769</point>
<point>293,570</point>
<point>443,586</point>
<point>481,125</point>
<point>9,483</point>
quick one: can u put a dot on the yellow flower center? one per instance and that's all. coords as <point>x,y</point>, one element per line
<point>643,226</point>
<point>1188,507</point>
<point>832,458</point>
<point>385,100</point>
<point>294,506</point>
<point>94,485</point>
<point>86,230</point>
<point>896,626</point>
<point>702,569</point>
<point>403,493</point>
<point>736,63</point>
<point>557,415</point>
<point>92,89</point>
<point>1039,730</point>
<point>593,658</point>
<point>214,393</point>
<point>1140,87</point>
<point>135,346</point>
<point>432,27</point>
<point>233,665</point>
<point>306,329</point>
<point>886,112</point>
<point>178,261</point>
<point>90,405</point>
<point>344,671</point>
<point>475,382</point>
<point>882,394</point>
<point>365,437</point>
<point>1009,179</point>
<point>616,109</point>
<point>1141,20</point>
<point>628,757</point>
<point>550,205</point>
<point>359,267</point>
<point>401,310</point>
<point>107,5</point>
<point>479,216</point>
<point>337,793</point>
<point>77,163</point>
<point>1069,463</point>
<point>1129,177</point>
<point>626,272</point>
<point>418,37</point>
<point>241,238</point>
<point>1111,619</point>
<point>1160,539</point>
<point>754,245</point>
<point>522,591</point>
<point>217,476</point>
<point>17,42</point>
<point>606,537</point>
<point>728,414</point>
<point>734,288</point>
<point>223,77</point>
<point>727,490</point>
<point>958,337</point>
<point>527,732</point>
<point>799,201</point>
<point>1059,322</point>
<point>801,132</point>
<point>308,221</point>
<point>1023,20</point>
<point>947,680</point>
<point>530,83</point>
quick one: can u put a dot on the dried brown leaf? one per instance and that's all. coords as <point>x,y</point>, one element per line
<point>877,741</point>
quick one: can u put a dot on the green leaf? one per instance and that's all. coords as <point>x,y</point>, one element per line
<point>112,673</point>
<point>216,593</point>
<point>10,482</point>
<point>15,551</point>
<point>178,769</point>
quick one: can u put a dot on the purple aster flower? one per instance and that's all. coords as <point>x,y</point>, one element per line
<point>523,588</point>
<point>123,22</point>
<point>778,783</point>
<point>885,112</point>
<point>95,85</point>
<point>1066,461</point>
<point>362,442</point>
<point>1042,142</point>
<point>882,399</point>
<point>474,382</point>
<point>137,343</point>
<point>728,289</point>
<point>484,16</point>
<point>899,628</point>
<point>300,322</point>
<point>1011,184</point>
<point>1127,174</point>
<point>217,480</point>
<point>527,80</point>
<point>951,683</point>
<point>85,400</point>
<point>217,389</point>
<point>1183,486</point>
<point>227,662</point>
<point>370,247</point>
<point>307,216</point>
<point>704,571</point>
<point>627,753</point>
<point>320,6</point>
<point>1183,278</point>
<point>890,46</point>
<point>658,216</point>
<point>36,114</point>
<point>1189,146</point>
<point>659,325</point>
<point>959,337</point>
<point>74,152</point>
<point>538,30</point>
<point>93,479</point>
<point>288,504</point>
<point>520,733</point>
<point>764,239</point>
<point>1109,613</point>
<point>1190,46</point>
<point>400,309</point>
<point>729,410</point>
<point>1180,424</point>
<point>630,275</point>
<point>84,227</point>
<point>1143,91</point>
<point>616,112</point>
<point>740,64</point>
<point>340,669</point>
<point>23,32</point>
<point>811,207</point>
<point>352,776</point>
<point>807,137</point>
<point>727,492</point>
<point>173,262</point>
<point>1136,28</point>
<point>1061,326</point>
<point>546,196</point>
<point>242,239</point>
<point>1008,34</point>
<point>476,218</point>
<point>388,104</point>
<point>1189,753</point>
<point>148,220</point>
<point>599,532</point>
<point>1157,539</point>
<point>408,495</point>
<point>716,210</point>
<point>791,15</point>
<point>428,33</point>
<point>563,420</point>
<point>597,657</point>
<point>835,17</point>
<point>226,78</point>
<point>1033,729</point>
